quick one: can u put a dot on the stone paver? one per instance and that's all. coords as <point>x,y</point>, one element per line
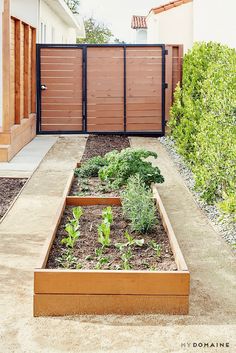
<point>24,230</point>
<point>28,159</point>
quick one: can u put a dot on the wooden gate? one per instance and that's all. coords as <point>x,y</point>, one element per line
<point>101,89</point>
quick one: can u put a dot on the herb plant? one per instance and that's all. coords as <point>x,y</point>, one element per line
<point>120,166</point>
<point>138,205</point>
<point>131,242</point>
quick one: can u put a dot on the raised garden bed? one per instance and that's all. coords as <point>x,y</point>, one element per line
<point>87,291</point>
<point>9,191</point>
<point>112,255</point>
<point>97,146</point>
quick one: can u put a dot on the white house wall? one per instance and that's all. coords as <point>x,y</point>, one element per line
<point>215,20</point>
<point>174,26</point>
<point>26,10</point>
<point>57,31</point>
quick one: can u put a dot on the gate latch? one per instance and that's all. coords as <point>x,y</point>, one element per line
<point>44,87</point>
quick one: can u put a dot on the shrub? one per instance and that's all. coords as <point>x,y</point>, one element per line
<point>138,205</point>
<point>122,165</point>
<point>91,167</point>
<point>203,121</point>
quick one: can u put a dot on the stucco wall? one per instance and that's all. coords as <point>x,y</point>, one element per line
<point>26,10</point>
<point>62,33</point>
<point>140,36</point>
<point>214,20</point>
<point>174,26</point>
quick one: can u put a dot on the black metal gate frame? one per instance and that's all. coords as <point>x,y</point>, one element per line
<point>84,47</point>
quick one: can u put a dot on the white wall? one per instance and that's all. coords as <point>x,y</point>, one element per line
<point>140,36</point>
<point>1,11</point>
<point>174,26</point>
<point>215,20</point>
<point>26,10</point>
<point>63,34</point>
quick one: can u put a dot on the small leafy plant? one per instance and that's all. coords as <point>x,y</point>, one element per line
<point>156,247</point>
<point>104,229</point>
<point>67,259</point>
<point>120,166</point>
<point>126,257</point>
<point>91,167</point>
<point>131,242</point>
<point>72,228</point>
<point>138,205</point>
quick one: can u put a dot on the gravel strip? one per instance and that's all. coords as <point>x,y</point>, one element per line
<point>225,227</point>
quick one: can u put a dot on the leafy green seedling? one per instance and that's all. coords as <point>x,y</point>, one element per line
<point>77,213</point>
<point>102,261</point>
<point>126,257</point>
<point>73,236</point>
<point>67,260</point>
<point>107,215</point>
<point>156,247</point>
<point>132,241</point>
<point>98,252</point>
<point>104,231</point>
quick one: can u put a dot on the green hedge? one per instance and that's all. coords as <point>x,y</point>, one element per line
<point>203,121</point>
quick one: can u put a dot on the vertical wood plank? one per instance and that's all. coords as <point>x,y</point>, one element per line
<point>26,70</point>
<point>169,76</point>
<point>6,53</point>
<point>33,70</point>
<point>17,72</point>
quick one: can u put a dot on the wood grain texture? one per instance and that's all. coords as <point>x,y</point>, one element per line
<point>105,88</point>
<point>61,103</point>
<point>61,305</point>
<point>144,85</point>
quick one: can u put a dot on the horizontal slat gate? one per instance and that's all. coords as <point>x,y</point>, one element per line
<point>61,102</point>
<point>101,89</point>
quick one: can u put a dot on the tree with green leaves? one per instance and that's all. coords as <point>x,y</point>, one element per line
<point>96,33</point>
<point>73,5</point>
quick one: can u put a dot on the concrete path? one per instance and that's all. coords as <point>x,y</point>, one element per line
<point>24,230</point>
<point>28,159</point>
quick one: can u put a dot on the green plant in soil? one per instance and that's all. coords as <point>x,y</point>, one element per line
<point>131,242</point>
<point>67,260</point>
<point>120,166</point>
<point>72,228</point>
<point>125,258</point>
<point>104,229</point>
<point>138,205</point>
<point>156,247</point>
<point>101,258</point>
<point>91,167</point>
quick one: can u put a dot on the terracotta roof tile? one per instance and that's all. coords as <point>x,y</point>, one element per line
<point>169,5</point>
<point>139,22</point>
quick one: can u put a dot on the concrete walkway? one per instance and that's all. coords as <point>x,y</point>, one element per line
<point>24,230</point>
<point>27,160</point>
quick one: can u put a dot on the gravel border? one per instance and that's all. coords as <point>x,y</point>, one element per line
<point>224,227</point>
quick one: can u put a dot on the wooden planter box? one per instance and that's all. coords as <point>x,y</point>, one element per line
<point>68,292</point>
